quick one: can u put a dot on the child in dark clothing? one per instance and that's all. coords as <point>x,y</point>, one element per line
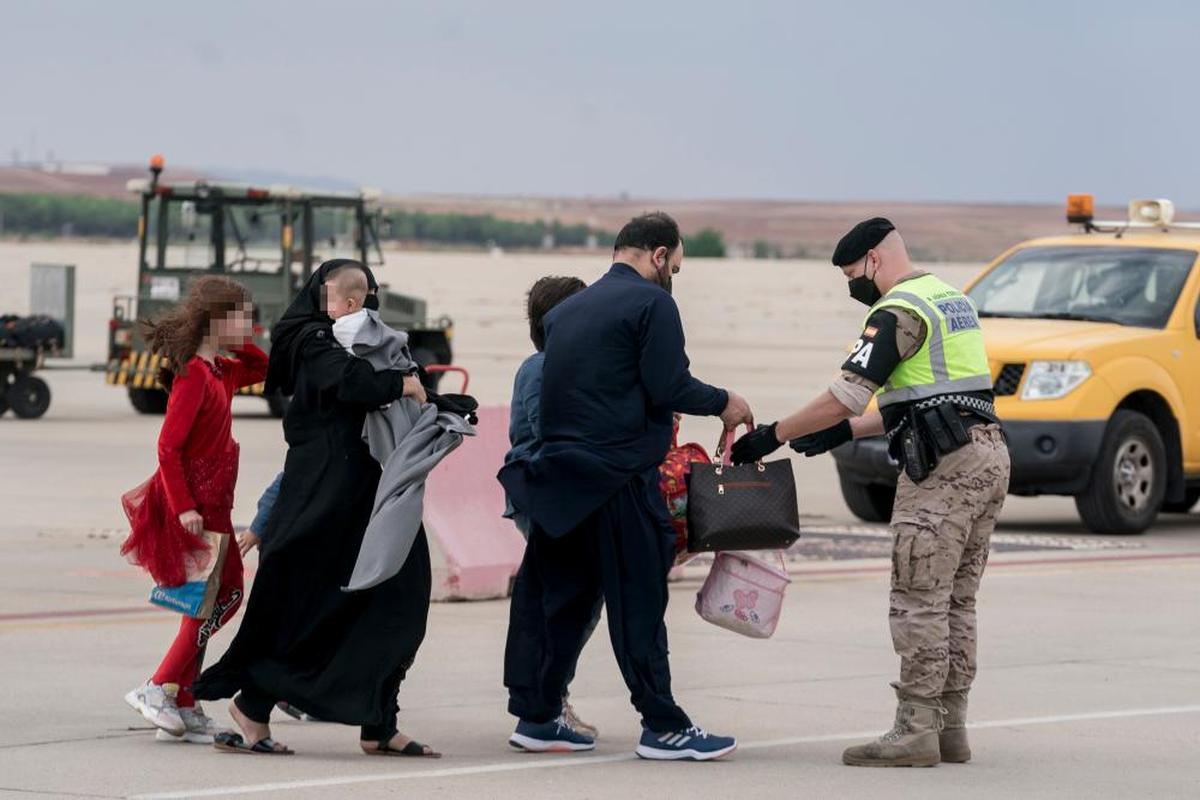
<point>524,431</point>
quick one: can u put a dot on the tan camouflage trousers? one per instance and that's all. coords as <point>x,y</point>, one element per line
<point>941,529</point>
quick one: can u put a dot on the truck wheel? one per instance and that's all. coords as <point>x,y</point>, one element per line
<point>148,401</point>
<point>869,502</point>
<point>29,397</point>
<point>1190,498</point>
<point>3,401</point>
<point>1129,479</point>
<point>278,404</point>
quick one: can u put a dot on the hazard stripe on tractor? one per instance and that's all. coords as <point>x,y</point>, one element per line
<point>140,371</point>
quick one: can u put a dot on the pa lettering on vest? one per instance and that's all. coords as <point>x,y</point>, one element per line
<point>875,355</point>
<point>860,353</point>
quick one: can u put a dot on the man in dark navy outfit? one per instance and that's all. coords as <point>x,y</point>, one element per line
<point>615,371</point>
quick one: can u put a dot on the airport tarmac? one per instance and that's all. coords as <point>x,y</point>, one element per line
<point>1090,646</point>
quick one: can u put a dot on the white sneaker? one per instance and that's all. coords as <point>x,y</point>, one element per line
<point>157,704</point>
<point>201,729</point>
<point>568,712</point>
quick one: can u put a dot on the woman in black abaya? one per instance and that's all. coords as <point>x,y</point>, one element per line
<point>340,656</point>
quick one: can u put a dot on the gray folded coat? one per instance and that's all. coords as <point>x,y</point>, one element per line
<point>408,440</point>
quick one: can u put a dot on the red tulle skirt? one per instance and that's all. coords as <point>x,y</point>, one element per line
<point>157,542</point>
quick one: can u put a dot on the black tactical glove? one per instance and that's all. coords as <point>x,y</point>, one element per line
<point>461,404</point>
<point>756,445</point>
<point>823,441</point>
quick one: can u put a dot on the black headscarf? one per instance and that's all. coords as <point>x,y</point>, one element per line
<point>303,318</point>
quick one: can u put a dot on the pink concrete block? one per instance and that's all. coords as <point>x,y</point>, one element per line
<point>475,551</point>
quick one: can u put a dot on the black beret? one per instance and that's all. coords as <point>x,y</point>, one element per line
<point>861,238</point>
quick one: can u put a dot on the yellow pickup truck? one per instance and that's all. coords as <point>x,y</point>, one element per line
<point>1094,344</point>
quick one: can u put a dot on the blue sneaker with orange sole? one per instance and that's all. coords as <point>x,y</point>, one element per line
<point>556,736</point>
<point>692,744</point>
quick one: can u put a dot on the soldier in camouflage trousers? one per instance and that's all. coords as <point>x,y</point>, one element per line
<point>942,528</point>
<point>921,356</point>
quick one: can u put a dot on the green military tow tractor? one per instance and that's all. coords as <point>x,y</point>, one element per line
<point>270,240</point>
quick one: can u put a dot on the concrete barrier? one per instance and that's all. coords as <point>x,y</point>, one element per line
<point>475,551</point>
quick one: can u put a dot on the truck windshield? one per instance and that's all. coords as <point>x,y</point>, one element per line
<point>237,236</point>
<point>1135,286</point>
<point>335,233</point>
<point>253,236</point>
<point>188,243</point>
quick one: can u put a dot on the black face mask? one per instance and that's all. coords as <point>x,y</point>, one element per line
<point>864,290</point>
<point>371,302</point>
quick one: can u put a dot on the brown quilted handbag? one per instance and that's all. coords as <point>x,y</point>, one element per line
<point>742,507</point>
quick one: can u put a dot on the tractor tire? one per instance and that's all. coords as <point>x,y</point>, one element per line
<point>868,501</point>
<point>148,401</point>
<point>1129,479</point>
<point>278,404</point>
<point>1190,497</point>
<point>29,397</point>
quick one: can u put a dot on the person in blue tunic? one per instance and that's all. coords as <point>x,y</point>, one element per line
<point>615,370</point>
<point>525,435</point>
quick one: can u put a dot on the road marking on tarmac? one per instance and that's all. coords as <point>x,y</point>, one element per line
<point>147,614</point>
<point>77,612</point>
<point>560,762</point>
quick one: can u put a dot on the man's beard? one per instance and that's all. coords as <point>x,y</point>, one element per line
<point>665,278</point>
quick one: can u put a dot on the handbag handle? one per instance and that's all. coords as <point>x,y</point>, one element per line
<point>722,455</point>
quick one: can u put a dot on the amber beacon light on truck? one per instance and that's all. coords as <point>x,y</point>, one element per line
<point>1156,214</point>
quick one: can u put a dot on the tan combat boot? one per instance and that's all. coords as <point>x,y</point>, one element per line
<point>912,741</point>
<point>953,739</point>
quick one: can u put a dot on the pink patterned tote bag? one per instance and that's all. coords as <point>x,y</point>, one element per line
<point>743,594</point>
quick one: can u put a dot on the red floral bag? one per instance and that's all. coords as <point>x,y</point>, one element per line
<point>672,482</point>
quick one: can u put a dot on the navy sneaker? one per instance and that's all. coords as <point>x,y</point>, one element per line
<point>556,736</point>
<point>693,744</point>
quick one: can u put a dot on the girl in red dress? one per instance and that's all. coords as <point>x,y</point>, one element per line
<point>192,491</point>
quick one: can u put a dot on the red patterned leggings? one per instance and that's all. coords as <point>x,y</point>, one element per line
<point>181,665</point>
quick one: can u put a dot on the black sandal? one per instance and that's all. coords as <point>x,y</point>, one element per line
<point>295,713</point>
<point>230,742</point>
<point>413,749</point>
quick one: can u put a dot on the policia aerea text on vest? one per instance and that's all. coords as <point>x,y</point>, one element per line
<point>922,351</point>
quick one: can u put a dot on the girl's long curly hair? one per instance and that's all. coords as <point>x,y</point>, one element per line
<point>176,334</point>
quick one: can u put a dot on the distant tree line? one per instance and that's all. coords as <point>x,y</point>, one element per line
<point>66,215</point>
<point>46,215</point>
<point>704,243</point>
<point>487,229</point>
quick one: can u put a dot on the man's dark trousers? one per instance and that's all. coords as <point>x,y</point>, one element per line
<point>622,551</point>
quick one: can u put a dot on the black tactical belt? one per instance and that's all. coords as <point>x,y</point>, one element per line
<point>934,428</point>
<point>984,408</point>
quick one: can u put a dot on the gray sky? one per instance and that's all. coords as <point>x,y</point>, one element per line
<point>1010,101</point>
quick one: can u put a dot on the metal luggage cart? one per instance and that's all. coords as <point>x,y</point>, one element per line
<point>27,395</point>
